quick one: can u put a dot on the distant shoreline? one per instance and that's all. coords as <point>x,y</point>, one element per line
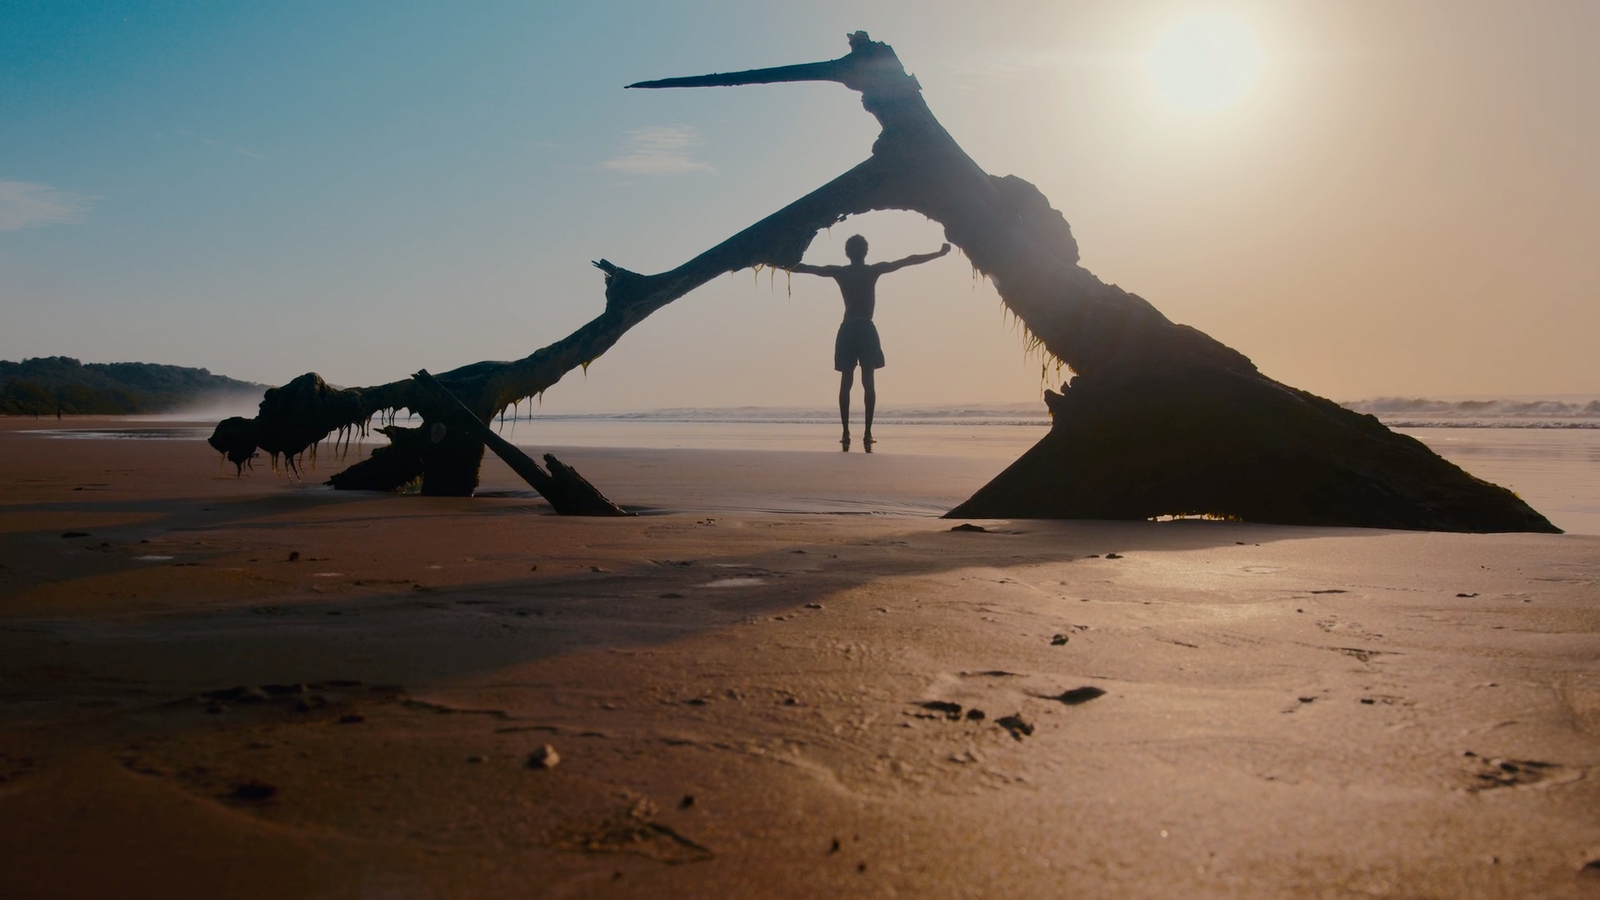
<point>889,418</point>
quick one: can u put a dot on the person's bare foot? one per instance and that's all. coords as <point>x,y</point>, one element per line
<point>844,442</point>
<point>867,442</point>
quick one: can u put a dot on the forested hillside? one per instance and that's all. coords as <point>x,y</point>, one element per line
<point>47,385</point>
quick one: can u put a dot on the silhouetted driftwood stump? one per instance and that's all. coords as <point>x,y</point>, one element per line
<point>569,493</point>
<point>1160,419</point>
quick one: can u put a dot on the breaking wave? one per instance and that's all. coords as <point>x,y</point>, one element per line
<point>996,414</point>
<point>1399,412</point>
<point>1419,412</point>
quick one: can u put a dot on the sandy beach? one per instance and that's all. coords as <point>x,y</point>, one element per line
<point>787,678</point>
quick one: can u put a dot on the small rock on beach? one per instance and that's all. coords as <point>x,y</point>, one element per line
<point>545,757</point>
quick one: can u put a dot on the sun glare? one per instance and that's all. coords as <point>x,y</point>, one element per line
<point>1205,61</point>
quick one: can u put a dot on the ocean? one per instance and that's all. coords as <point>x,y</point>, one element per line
<point>1548,452</point>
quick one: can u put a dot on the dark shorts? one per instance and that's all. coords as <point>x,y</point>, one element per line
<point>857,344</point>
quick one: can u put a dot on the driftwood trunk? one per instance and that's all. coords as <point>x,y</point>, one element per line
<point>1160,419</point>
<point>569,493</point>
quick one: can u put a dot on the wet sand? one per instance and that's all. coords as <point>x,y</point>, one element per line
<point>252,687</point>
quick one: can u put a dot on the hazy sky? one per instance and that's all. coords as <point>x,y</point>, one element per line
<point>1401,198</point>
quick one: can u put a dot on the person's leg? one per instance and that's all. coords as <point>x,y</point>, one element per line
<point>869,391</point>
<point>846,381</point>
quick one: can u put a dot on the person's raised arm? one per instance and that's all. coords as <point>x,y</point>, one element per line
<point>915,259</point>
<point>804,269</point>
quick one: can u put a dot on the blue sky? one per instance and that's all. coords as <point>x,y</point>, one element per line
<point>1402,202</point>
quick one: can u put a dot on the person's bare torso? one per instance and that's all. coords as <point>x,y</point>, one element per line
<point>858,286</point>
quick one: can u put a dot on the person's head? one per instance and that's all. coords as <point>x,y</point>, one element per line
<point>856,248</point>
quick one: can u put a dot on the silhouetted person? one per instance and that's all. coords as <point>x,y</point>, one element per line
<point>857,343</point>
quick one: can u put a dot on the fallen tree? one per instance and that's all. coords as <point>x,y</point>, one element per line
<point>1159,418</point>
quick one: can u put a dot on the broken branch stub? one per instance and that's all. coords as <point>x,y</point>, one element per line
<point>1160,419</point>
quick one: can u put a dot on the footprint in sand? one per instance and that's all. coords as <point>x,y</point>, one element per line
<point>633,832</point>
<point>1078,696</point>
<point>951,711</point>
<point>1018,727</point>
<point>1487,774</point>
<point>254,790</point>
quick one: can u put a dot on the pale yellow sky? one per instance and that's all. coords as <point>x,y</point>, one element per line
<point>1403,201</point>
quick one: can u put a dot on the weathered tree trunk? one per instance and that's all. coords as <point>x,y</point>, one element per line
<point>569,493</point>
<point>1160,418</point>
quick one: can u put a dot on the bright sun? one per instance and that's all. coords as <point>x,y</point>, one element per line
<point>1205,61</point>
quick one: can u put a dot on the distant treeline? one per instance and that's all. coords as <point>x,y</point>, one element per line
<point>48,385</point>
